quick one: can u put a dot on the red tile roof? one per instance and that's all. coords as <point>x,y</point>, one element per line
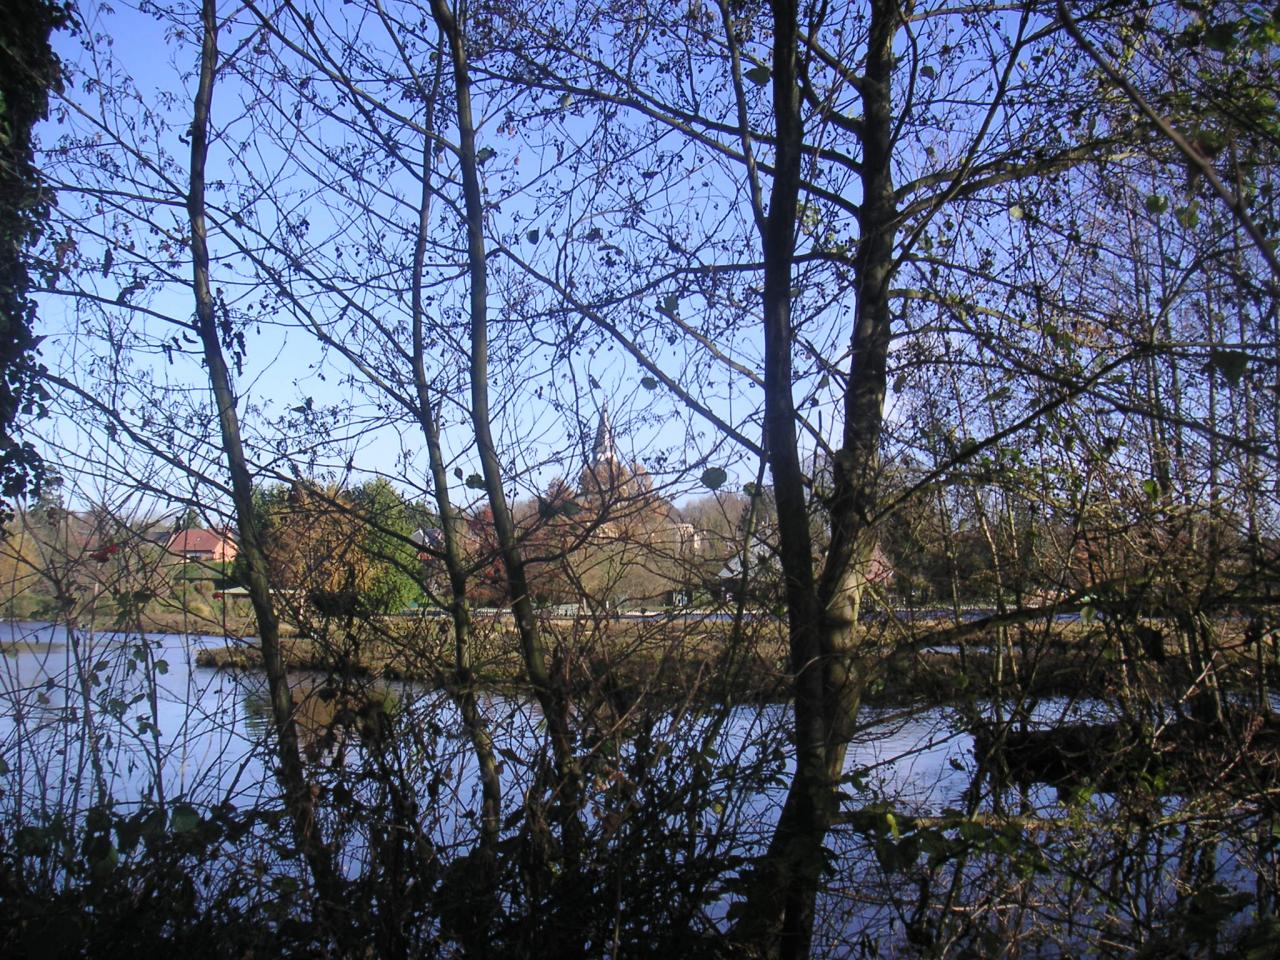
<point>203,543</point>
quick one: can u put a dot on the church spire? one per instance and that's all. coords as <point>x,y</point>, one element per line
<point>605,449</point>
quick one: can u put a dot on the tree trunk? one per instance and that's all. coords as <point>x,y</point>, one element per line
<point>461,684</point>
<point>298,797</point>
<point>823,613</point>
<point>551,697</point>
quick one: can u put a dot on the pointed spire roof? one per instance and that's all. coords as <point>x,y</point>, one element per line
<point>605,449</point>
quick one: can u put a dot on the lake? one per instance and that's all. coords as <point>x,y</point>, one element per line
<point>167,725</point>
<point>160,729</point>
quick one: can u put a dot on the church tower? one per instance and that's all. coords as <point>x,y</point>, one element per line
<point>604,452</point>
<point>606,479</point>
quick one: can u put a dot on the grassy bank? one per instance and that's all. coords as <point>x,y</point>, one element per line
<point>713,660</point>
<point>625,658</point>
<point>158,617</point>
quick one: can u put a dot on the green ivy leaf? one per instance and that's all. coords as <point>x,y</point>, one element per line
<point>1230,363</point>
<point>184,818</point>
<point>713,478</point>
<point>102,856</point>
<point>998,394</point>
<point>1221,36</point>
<point>153,825</point>
<point>1156,204</point>
<point>128,830</point>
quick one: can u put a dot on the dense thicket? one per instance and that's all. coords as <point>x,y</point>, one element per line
<point>960,323</point>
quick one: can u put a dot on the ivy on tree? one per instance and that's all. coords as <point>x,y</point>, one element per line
<point>28,69</point>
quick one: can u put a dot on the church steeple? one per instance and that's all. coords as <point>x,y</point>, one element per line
<point>605,449</point>
<point>606,482</point>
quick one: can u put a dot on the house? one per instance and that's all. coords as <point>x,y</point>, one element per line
<point>429,543</point>
<point>213,546</point>
<point>765,568</point>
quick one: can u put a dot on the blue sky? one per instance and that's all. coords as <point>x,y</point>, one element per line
<point>286,370</point>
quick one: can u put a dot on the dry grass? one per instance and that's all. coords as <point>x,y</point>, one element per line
<point>676,657</point>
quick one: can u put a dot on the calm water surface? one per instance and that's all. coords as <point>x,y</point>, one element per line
<point>163,728</point>
<point>164,724</point>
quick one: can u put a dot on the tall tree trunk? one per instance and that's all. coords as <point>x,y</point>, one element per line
<point>298,797</point>
<point>822,612</point>
<point>797,845</point>
<point>857,467</point>
<point>551,696</point>
<point>462,685</point>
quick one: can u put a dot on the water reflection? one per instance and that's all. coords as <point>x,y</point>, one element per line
<point>208,727</point>
<point>133,706</point>
<point>933,851</point>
